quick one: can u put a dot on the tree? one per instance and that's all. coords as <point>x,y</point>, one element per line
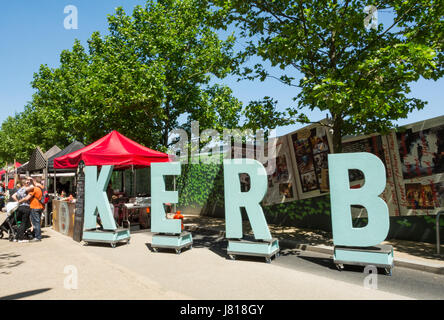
<point>360,76</point>
<point>14,141</point>
<point>180,53</point>
<point>150,75</point>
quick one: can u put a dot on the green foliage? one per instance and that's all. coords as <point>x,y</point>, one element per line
<point>432,220</point>
<point>200,185</point>
<point>322,48</point>
<point>262,114</point>
<point>300,208</point>
<point>404,223</point>
<point>155,71</point>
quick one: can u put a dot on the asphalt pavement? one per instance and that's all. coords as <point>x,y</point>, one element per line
<point>45,270</point>
<point>403,281</point>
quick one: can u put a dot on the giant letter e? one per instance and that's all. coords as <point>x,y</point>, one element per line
<point>159,196</point>
<point>342,197</point>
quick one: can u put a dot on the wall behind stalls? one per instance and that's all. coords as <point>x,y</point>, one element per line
<point>201,189</point>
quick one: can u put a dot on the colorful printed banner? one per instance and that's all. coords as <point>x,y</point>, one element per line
<point>418,165</point>
<point>309,149</point>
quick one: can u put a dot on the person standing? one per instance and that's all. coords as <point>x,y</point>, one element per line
<point>35,194</point>
<point>2,195</point>
<point>14,190</point>
<point>23,210</point>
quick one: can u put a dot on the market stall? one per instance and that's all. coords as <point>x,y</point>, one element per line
<point>64,180</point>
<point>121,153</point>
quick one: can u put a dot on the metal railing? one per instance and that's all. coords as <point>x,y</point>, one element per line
<point>438,242</point>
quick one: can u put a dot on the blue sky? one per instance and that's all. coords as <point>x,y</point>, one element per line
<point>32,33</point>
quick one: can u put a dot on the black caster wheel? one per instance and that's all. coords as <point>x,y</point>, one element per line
<point>232,257</point>
<point>388,271</point>
<point>340,266</point>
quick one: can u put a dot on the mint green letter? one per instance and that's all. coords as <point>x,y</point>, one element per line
<point>342,197</point>
<point>235,199</point>
<point>96,199</point>
<point>159,222</point>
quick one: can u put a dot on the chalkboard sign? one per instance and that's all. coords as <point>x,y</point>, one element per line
<point>78,219</point>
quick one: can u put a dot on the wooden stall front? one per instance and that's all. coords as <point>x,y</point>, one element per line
<point>63,217</point>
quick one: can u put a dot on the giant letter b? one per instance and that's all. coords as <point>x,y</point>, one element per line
<point>342,197</point>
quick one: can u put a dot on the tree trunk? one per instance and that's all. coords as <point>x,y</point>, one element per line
<point>166,130</point>
<point>337,133</point>
<point>165,137</point>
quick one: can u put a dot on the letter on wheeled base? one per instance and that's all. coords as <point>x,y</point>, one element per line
<point>266,249</point>
<point>263,245</point>
<point>168,232</point>
<point>176,242</point>
<point>96,203</point>
<point>380,256</point>
<point>359,246</point>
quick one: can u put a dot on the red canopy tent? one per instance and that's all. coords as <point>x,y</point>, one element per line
<point>113,149</point>
<point>16,165</point>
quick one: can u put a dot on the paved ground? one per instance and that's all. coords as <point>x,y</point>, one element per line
<point>404,281</point>
<point>36,271</point>
<point>421,253</point>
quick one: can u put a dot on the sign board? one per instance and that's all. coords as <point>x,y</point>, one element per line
<point>377,145</point>
<point>63,217</point>
<point>417,155</point>
<point>280,175</point>
<point>309,149</point>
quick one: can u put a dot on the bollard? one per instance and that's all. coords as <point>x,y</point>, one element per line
<point>438,242</point>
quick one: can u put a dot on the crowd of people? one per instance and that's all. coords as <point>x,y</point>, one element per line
<point>28,195</point>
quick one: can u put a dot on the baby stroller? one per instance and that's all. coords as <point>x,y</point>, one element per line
<point>9,223</point>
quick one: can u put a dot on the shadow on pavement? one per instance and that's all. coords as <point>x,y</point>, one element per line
<point>5,262</point>
<point>328,263</point>
<point>289,252</point>
<point>104,244</point>
<point>314,237</point>
<point>24,294</point>
<point>324,262</point>
<point>165,250</point>
<point>211,239</point>
<point>423,250</point>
